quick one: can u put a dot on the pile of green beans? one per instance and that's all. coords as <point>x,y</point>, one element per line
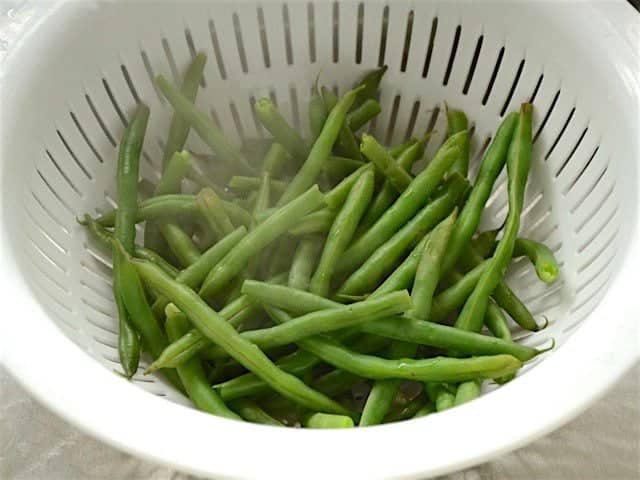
<point>269,292</point>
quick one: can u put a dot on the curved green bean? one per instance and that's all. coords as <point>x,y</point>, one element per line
<point>361,115</point>
<point>385,163</point>
<point>221,333</point>
<point>541,256</point>
<point>518,163</point>
<point>282,132</point>
<point>191,372</point>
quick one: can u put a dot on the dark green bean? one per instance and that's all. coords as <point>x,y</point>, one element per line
<point>359,116</point>
<point>320,151</point>
<point>404,208</point>
<point>204,127</point>
<point>256,240</point>
<point>191,372</point>
<point>410,410</point>
<point>370,83</point>
<point>125,232</point>
<point>221,333</point>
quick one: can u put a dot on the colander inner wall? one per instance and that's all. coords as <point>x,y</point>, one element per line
<point>81,93</point>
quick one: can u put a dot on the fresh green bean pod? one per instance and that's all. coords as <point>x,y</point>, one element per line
<point>252,412</point>
<point>405,207</point>
<point>541,256</point>
<point>385,163</point>
<point>457,122</point>
<point>324,420</point>
<point>361,115</point>
<point>256,240</point>
<point>191,372</point>
<point>304,262</point>
<point>341,233</point>
<point>179,127</point>
<point>320,151</point>
<point>282,132</point>
<point>180,243</point>
<point>491,166</point>
<point>347,143</point>
<point>204,127</point>
<point>518,163</point>
<point>244,184</point>
<point>221,333</point>
<point>383,259</point>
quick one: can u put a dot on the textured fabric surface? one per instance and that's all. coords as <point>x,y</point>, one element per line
<point>601,444</point>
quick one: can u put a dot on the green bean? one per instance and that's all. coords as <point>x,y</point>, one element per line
<point>335,383</point>
<point>496,322</point>
<point>221,333</point>
<point>410,201</point>
<point>425,410</point>
<point>251,412</point>
<point>518,163</point>
<point>298,364</point>
<point>210,208</point>
<point>175,205</point>
<point>370,83</point>
<point>502,294</point>
<point>179,127</point>
<point>399,328</point>
<point>399,149</point>
<point>336,197</point>
<point>280,256</point>
<point>304,262</point>
<point>384,162</point>
<point>405,158</point>
<point>318,114</point>
<point>490,168</point>
<point>454,297</point>
<point>244,184</point>
<point>382,261</point>
<point>204,127</point>
<point>541,257</point>
<point>440,396</point>
<point>433,369</point>
<point>322,321</point>
<point>341,233</point>
<point>324,420</point>
<point>466,392</point>
<point>125,232</point>
<point>256,240</point>
<point>282,132</point>
<point>105,238</point>
<point>340,167</point>
<point>320,151</point>
<point>403,275</point>
<point>195,273</point>
<point>191,372</point>
<point>180,243</point>
<point>359,116</point>
<point>275,160</point>
<point>426,280</point>
<point>410,410</point>
<point>457,122</point>
<point>347,143</point>
<point>140,314</point>
<point>316,222</point>
<point>263,198</point>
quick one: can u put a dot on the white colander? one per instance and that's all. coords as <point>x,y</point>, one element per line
<point>72,79</point>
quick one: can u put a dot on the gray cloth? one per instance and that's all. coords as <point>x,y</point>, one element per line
<point>602,444</point>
